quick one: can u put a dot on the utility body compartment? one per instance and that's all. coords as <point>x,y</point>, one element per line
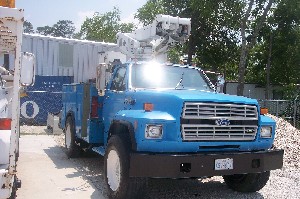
<point>81,102</point>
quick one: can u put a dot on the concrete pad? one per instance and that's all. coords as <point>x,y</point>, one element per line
<point>46,172</point>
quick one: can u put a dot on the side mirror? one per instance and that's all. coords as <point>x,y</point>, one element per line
<point>103,75</point>
<point>27,69</point>
<point>220,83</point>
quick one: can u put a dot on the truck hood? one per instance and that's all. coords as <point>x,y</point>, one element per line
<point>196,96</point>
<point>172,101</point>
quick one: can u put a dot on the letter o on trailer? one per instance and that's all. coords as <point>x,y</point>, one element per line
<point>35,107</point>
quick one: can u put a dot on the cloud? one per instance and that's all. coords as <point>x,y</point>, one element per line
<point>81,16</point>
<point>130,19</point>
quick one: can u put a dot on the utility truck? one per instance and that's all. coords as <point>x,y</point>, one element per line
<point>12,78</point>
<point>159,120</point>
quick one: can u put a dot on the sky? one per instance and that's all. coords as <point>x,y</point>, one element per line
<point>48,12</point>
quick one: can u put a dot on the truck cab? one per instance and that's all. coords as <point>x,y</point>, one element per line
<point>181,100</point>
<point>167,121</point>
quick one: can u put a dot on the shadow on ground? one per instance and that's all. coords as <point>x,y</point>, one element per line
<point>89,167</point>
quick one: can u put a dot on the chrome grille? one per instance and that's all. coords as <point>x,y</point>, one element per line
<point>199,122</point>
<point>192,132</point>
<point>214,111</point>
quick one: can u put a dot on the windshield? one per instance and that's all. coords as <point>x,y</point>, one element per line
<point>167,77</point>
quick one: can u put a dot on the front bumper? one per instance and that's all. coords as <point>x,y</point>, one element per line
<point>199,165</point>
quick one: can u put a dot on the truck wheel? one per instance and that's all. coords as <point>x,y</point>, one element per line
<point>250,182</point>
<point>116,170</point>
<point>73,150</point>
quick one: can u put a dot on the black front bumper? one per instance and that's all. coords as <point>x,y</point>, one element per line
<point>199,165</point>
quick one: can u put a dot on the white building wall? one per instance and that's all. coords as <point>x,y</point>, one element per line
<point>250,90</point>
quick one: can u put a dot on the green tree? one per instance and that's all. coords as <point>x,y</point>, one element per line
<point>147,13</point>
<point>255,13</point>
<point>104,27</point>
<point>27,27</point>
<point>45,30</point>
<point>63,28</point>
<point>214,34</point>
<point>276,59</point>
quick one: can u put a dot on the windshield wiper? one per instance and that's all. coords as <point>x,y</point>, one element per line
<point>180,81</point>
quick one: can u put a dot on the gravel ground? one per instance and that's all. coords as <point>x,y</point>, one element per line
<point>288,138</point>
<point>283,183</point>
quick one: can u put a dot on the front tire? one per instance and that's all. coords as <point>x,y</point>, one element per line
<point>72,149</point>
<point>116,170</point>
<point>250,182</point>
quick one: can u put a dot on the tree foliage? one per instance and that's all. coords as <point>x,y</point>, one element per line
<point>63,28</point>
<point>282,35</point>
<point>214,34</point>
<point>104,27</point>
<point>28,27</point>
<point>45,30</point>
<point>255,13</point>
<point>148,12</point>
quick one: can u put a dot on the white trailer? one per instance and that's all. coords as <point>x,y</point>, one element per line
<point>11,28</point>
<point>57,56</point>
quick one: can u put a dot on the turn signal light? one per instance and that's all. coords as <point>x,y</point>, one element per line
<point>264,111</point>
<point>148,107</point>
<point>94,107</point>
<point>5,123</point>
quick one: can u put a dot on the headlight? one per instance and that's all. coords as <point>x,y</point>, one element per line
<point>266,132</point>
<point>153,132</point>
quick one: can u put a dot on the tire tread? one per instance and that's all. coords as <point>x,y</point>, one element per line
<point>130,187</point>
<point>251,182</point>
<point>74,150</point>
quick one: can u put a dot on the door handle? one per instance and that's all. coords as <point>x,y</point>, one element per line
<point>129,101</point>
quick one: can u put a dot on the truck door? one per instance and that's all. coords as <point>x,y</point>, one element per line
<point>115,96</point>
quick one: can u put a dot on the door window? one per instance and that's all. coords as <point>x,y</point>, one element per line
<point>119,80</point>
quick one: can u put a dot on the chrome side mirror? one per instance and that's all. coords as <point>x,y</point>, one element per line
<point>103,75</point>
<point>27,73</point>
<point>220,83</point>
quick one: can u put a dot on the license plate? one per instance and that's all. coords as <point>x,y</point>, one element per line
<point>224,164</point>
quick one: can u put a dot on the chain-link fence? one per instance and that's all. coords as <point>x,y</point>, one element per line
<point>287,109</point>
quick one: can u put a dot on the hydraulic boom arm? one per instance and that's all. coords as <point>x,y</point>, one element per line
<point>154,40</point>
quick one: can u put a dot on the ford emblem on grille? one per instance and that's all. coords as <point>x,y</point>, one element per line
<point>223,122</point>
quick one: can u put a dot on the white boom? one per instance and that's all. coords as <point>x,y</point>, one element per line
<point>154,40</point>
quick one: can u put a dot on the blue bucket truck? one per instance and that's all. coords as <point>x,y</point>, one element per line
<point>153,120</point>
